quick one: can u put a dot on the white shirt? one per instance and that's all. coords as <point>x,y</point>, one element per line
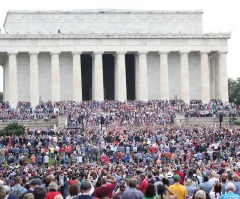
<point>46,159</point>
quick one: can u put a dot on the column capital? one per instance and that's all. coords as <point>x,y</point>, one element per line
<point>184,52</point>
<point>98,52</point>
<point>120,52</point>
<point>12,53</point>
<point>33,52</point>
<point>222,52</point>
<point>143,52</point>
<point>76,52</point>
<point>55,52</point>
<point>163,52</point>
<point>204,52</point>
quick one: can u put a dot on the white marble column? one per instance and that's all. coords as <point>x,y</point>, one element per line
<point>143,80</point>
<point>4,83</point>
<point>120,77</point>
<point>34,84</point>
<point>12,79</point>
<point>185,91</point>
<point>164,82</point>
<point>97,77</point>
<point>212,68</point>
<point>223,78</point>
<point>55,76</point>
<point>77,77</point>
<point>205,86</point>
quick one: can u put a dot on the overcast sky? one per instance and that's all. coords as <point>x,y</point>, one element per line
<point>219,15</point>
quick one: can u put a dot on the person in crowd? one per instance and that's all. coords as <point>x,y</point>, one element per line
<point>143,183</point>
<point>150,192</point>
<point>132,192</point>
<point>40,193</point>
<point>190,188</point>
<point>2,192</point>
<point>230,188</point>
<point>177,188</point>
<point>73,191</point>
<point>53,190</point>
<point>106,188</point>
<point>161,190</point>
<point>206,186</point>
<point>216,191</point>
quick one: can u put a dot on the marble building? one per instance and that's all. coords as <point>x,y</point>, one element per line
<point>111,54</point>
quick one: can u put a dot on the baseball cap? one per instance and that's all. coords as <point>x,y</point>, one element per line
<point>85,185</point>
<point>35,181</point>
<point>178,167</point>
<point>200,194</point>
<point>176,178</point>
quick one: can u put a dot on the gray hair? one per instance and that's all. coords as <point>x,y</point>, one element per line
<point>230,187</point>
<point>53,186</point>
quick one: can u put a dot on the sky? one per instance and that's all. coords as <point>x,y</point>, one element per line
<point>218,16</point>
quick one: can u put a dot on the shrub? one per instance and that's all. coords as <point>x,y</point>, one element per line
<point>237,122</point>
<point>13,129</point>
<point>19,132</point>
<point>2,133</point>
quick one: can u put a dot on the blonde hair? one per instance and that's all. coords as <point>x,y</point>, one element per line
<point>58,197</point>
<point>29,196</point>
<point>188,182</point>
<point>77,182</point>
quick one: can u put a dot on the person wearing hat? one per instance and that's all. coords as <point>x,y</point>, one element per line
<point>169,176</point>
<point>177,188</point>
<point>85,191</point>
<point>230,188</point>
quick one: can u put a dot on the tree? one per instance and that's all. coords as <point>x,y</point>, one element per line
<point>234,90</point>
<point>1,96</point>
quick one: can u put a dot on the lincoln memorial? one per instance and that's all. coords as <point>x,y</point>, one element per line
<point>111,54</point>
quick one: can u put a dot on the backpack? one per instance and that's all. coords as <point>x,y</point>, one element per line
<point>16,192</point>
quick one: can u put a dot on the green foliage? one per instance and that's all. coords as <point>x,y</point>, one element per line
<point>1,96</point>
<point>234,90</point>
<point>13,129</point>
<point>237,122</point>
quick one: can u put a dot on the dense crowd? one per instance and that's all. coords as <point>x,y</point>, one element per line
<point>125,150</point>
<point>50,110</point>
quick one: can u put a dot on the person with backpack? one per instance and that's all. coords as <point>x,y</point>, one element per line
<point>17,190</point>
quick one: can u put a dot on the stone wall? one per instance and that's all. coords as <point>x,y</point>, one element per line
<point>181,119</point>
<point>32,123</point>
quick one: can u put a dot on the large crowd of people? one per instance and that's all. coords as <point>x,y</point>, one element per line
<point>50,110</point>
<point>128,150</point>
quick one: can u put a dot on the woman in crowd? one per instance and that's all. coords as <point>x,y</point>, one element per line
<point>73,191</point>
<point>150,192</point>
<point>161,189</point>
<point>216,190</point>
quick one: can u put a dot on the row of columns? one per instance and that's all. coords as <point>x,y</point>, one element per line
<point>120,77</point>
